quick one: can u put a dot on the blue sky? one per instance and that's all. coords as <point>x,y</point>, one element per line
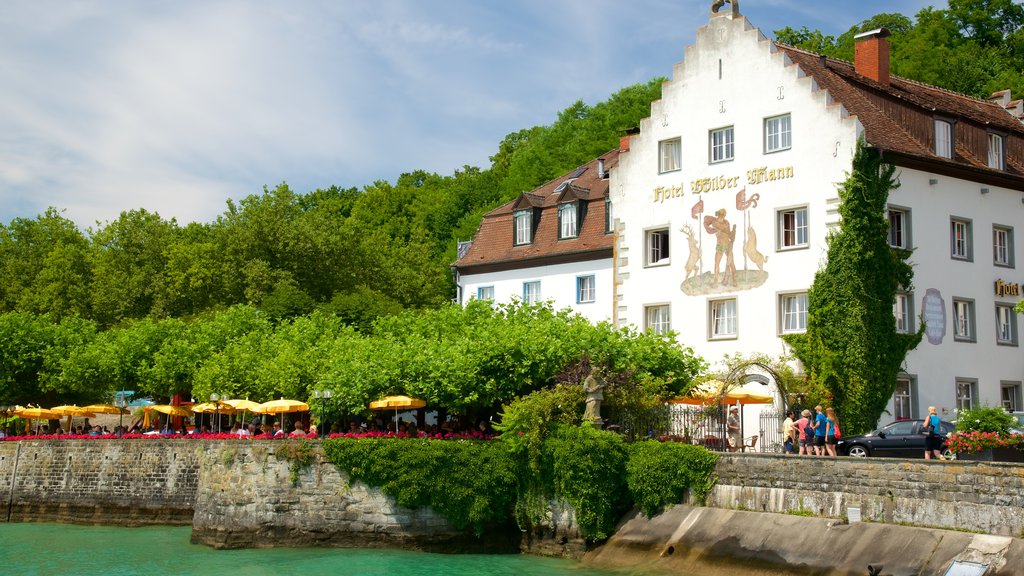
<point>176,106</point>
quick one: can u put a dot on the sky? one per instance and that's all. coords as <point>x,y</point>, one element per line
<point>177,106</point>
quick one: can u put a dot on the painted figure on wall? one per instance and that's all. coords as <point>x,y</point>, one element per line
<point>725,235</point>
<point>724,277</point>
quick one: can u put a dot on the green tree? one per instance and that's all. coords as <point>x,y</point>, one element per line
<point>851,346</point>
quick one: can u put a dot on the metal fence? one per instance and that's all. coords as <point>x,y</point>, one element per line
<point>703,425</point>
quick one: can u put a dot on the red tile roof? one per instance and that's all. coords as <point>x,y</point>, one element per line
<point>492,246</point>
<point>900,118</point>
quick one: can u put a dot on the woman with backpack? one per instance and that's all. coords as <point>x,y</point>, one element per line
<point>932,425</point>
<point>832,433</point>
<point>805,426</point>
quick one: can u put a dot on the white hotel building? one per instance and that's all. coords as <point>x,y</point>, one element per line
<point>723,201</point>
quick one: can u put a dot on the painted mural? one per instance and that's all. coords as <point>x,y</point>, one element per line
<point>720,274</point>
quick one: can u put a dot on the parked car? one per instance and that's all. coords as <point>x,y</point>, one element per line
<point>901,439</point>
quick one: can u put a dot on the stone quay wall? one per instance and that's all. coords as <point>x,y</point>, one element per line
<point>978,496</point>
<point>123,482</point>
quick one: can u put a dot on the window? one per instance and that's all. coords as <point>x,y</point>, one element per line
<point>963,319</point>
<point>899,227</point>
<point>996,158</point>
<point>966,391</point>
<point>794,312</point>
<point>608,218</point>
<point>960,247</point>
<point>657,247</point>
<point>943,139</point>
<point>792,228</point>
<point>777,135</point>
<point>1002,246</point>
<point>1010,396</point>
<point>524,226</point>
<point>656,319</point>
<point>721,145</point>
<point>586,289</point>
<point>670,155</point>
<point>567,226</point>
<point>485,293</point>
<point>1006,325</point>
<point>901,399</point>
<point>531,292</point>
<point>723,318</point>
<point>903,310</point>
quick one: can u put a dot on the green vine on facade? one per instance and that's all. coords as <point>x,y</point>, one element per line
<point>851,347</point>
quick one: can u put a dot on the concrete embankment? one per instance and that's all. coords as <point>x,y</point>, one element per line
<point>712,541</point>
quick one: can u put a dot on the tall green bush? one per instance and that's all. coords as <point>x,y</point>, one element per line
<point>660,473</point>
<point>985,419</point>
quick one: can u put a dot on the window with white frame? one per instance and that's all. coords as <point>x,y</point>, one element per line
<point>903,311</point>
<point>963,319</point>
<point>902,399</point>
<point>586,289</point>
<point>721,145</point>
<point>777,133</point>
<point>944,138</point>
<point>1010,396</point>
<point>966,392</point>
<point>960,247</point>
<point>996,157</point>
<point>793,310</point>
<point>567,220</point>
<point>670,153</point>
<point>524,226</point>
<point>899,227</point>
<point>657,319</point>
<point>1002,246</point>
<point>657,247</point>
<point>722,317</point>
<point>1006,325</point>
<point>792,227</point>
<point>485,293</point>
<point>531,292</point>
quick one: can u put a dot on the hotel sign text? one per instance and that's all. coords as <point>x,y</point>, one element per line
<point>1004,288</point>
<point>715,183</point>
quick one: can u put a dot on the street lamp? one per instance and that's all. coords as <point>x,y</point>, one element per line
<point>324,395</point>
<point>6,412</point>
<point>215,398</point>
<point>121,402</point>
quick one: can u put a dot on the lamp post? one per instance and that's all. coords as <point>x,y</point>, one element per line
<point>6,412</point>
<point>121,402</point>
<point>324,395</point>
<point>215,398</point>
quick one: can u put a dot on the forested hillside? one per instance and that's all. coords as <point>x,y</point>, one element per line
<point>357,253</point>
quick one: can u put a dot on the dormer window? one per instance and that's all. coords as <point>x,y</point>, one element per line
<point>524,226</point>
<point>568,223</point>
<point>944,138</point>
<point>996,157</point>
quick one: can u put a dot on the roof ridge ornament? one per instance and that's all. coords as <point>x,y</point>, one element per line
<point>733,12</point>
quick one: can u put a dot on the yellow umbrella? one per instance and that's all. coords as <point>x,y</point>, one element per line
<point>170,410</point>
<point>242,404</point>
<point>71,411</point>
<point>37,414</point>
<point>281,406</point>
<point>206,407</point>
<point>104,409</point>
<point>716,392</point>
<point>398,403</point>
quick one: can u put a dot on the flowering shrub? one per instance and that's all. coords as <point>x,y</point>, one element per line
<point>985,419</point>
<point>229,436</point>
<point>976,441</point>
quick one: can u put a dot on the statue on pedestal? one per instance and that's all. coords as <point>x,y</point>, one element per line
<point>593,387</point>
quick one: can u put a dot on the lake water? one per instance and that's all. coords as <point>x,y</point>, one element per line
<point>68,550</point>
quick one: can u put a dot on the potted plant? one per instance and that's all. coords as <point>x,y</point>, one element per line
<point>983,433</point>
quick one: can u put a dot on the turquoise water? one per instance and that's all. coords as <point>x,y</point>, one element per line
<point>67,550</point>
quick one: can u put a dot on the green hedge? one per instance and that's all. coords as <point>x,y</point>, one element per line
<point>477,484</point>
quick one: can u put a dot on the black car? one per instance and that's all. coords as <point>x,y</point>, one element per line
<point>901,439</point>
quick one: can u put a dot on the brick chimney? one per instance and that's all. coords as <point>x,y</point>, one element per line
<point>871,55</point>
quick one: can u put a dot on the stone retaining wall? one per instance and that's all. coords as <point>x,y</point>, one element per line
<point>977,496</point>
<point>124,482</point>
